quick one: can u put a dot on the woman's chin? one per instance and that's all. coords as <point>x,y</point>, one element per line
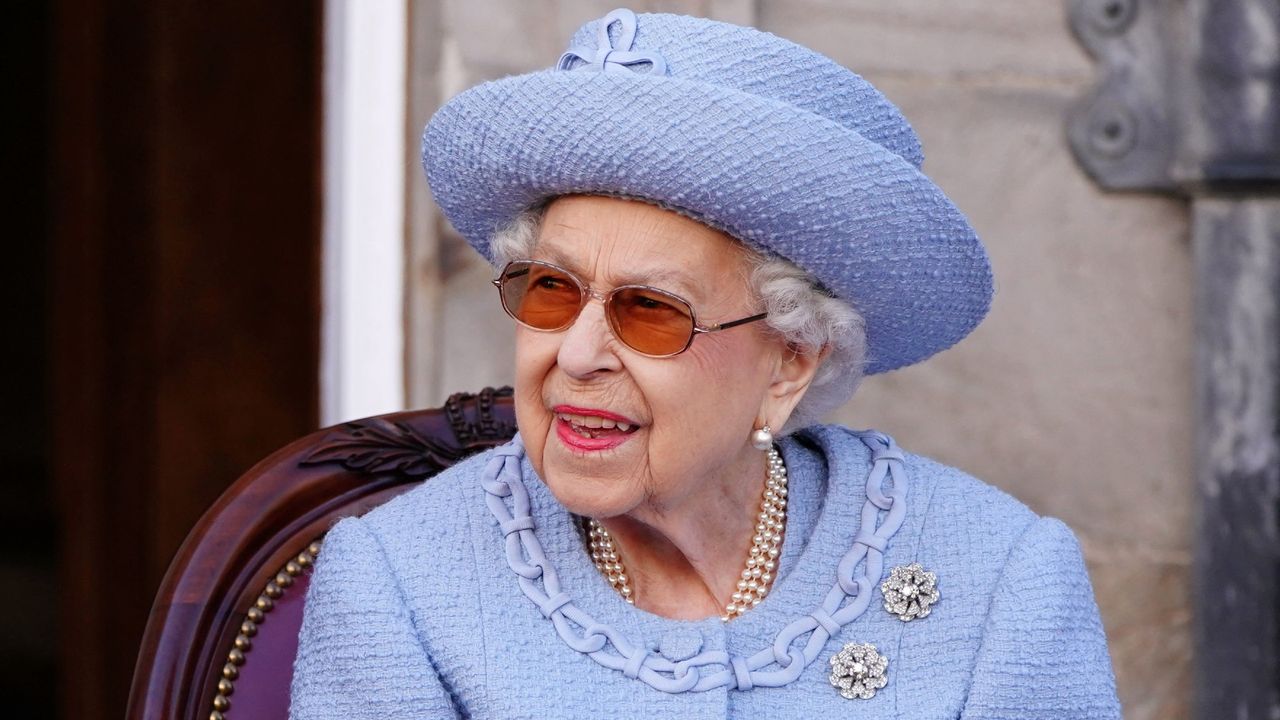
<point>589,497</point>
<point>592,478</point>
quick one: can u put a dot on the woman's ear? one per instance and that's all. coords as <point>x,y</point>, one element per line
<point>792,376</point>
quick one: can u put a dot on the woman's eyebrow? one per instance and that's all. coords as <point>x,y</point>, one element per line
<point>661,278</point>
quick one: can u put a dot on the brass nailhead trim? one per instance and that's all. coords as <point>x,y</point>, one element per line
<point>253,618</point>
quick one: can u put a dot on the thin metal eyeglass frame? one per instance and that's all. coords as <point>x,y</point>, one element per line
<point>585,292</point>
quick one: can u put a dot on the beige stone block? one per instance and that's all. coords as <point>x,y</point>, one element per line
<point>480,339</point>
<point>1005,40</point>
<point>496,39</point>
<point>1146,604</point>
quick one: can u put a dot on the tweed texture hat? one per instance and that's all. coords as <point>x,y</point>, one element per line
<point>749,133</point>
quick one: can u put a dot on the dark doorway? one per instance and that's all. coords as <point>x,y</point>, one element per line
<point>184,314</point>
<point>28,532</point>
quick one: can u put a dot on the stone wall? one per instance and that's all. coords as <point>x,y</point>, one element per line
<point>1074,395</point>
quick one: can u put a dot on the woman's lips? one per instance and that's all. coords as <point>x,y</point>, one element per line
<point>586,430</point>
<point>605,440</point>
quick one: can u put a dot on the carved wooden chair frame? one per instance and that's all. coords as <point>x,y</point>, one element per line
<point>263,534</point>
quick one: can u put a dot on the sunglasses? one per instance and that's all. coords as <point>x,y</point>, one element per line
<point>652,322</point>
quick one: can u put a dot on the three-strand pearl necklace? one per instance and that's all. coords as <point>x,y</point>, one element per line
<point>762,562</point>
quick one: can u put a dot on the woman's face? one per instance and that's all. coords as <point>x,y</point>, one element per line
<point>690,415</point>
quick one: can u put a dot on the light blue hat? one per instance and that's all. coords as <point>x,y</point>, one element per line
<point>766,140</point>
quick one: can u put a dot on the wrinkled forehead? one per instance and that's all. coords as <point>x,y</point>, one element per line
<point>612,241</point>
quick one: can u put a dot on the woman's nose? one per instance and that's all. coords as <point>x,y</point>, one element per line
<point>587,346</point>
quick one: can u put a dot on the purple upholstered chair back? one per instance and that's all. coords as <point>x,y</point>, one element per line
<point>223,633</point>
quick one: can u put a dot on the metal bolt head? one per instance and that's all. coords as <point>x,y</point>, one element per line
<point>1112,131</point>
<point>1111,16</point>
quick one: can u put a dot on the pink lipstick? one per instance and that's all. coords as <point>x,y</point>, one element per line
<point>591,430</point>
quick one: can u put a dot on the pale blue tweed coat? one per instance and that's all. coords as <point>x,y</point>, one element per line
<point>415,611</point>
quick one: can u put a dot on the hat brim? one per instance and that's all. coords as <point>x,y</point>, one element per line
<point>869,225</point>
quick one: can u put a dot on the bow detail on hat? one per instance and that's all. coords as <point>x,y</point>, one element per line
<point>609,58</point>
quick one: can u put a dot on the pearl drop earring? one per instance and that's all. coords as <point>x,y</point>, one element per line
<point>762,439</point>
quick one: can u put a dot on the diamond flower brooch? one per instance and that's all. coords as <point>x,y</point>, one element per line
<point>858,671</point>
<point>910,592</point>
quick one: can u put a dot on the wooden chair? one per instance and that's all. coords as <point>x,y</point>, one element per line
<point>223,633</point>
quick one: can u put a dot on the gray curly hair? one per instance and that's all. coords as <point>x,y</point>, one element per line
<point>800,311</point>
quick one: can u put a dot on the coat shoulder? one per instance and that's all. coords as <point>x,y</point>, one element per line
<point>428,533</point>
<point>955,499</point>
<point>440,502</point>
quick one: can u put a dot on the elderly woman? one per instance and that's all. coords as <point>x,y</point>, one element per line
<point>706,236</point>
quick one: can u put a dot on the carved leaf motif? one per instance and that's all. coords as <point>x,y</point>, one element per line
<point>486,429</point>
<point>380,446</point>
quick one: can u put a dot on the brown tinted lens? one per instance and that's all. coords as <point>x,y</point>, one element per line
<point>540,296</point>
<point>651,321</point>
